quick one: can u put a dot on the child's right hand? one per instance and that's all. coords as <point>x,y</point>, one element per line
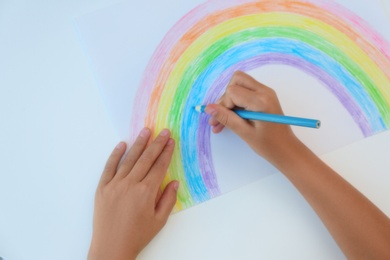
<point>337,203</point>
<point>267,139</point>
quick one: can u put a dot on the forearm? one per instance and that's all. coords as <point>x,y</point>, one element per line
<point>358,226</point>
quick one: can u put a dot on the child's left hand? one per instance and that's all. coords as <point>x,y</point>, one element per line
<point>130,208</point>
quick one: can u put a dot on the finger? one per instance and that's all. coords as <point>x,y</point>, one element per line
<point>159,169</point>
<point>265,100</point>
<point>228,118</point>
<point>159,193</point>
<point>213,122</point>
<point>235,96</point>
<point>112,163</point>
<point>167,201</point>
<point>134,153</point>
<point>149,156</point>
<point>215,125</point>
<point>238,96</point>
<point>242,79</point>
<point>225,101</point>
<point>218,128</point>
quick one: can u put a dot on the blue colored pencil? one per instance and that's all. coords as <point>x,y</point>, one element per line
<point>280,119</point>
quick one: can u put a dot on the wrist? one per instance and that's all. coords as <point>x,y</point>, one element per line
<point>286,152</point>
<point>294,159</point>
<point>105,252</point>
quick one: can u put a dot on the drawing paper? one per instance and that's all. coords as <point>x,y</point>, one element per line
<point>155,62</point>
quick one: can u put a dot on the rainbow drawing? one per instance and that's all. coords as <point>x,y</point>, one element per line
<point>197,57</point>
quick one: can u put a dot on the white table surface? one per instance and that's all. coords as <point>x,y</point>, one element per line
<point>55,137</point>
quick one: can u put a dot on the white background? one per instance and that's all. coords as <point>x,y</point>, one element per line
<point>55,136</point>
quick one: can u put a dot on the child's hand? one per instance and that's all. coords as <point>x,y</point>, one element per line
<point>130,208</point>
<point>244,92</point>
<point>337,203</point>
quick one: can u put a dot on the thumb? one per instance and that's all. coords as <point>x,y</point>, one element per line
<point>227,117</point>
<point>167,201</point>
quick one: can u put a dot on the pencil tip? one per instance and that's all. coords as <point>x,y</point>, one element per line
<point>199,109</point>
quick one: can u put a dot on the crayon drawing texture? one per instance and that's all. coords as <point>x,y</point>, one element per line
<point>197,57</point>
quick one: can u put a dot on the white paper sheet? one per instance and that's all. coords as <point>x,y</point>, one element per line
<point>121,40</point>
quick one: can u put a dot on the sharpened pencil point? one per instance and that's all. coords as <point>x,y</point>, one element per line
<point>198,109</point>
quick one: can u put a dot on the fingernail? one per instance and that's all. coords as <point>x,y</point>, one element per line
<point>210,110</point>
<point>164,132</point>
<point>170,142</point>
<point>145,132</point>
<point>120,146</point>
<point>176,185</point>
